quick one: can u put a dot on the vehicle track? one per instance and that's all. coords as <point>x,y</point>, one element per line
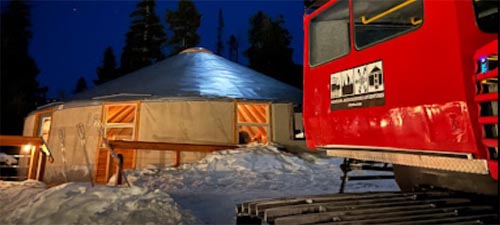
<point>393,208</point>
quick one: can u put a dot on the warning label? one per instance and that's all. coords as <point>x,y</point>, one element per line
<point>362,86</point>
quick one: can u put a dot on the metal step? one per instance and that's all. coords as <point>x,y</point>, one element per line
<point>371,208</point>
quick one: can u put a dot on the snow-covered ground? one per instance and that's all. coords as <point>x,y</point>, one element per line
<point>205,192</point>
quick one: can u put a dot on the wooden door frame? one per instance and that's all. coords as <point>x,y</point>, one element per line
<point>38,161</point>
<point>136,123</point>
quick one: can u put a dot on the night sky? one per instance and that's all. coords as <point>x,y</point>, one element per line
<point>69,37</point>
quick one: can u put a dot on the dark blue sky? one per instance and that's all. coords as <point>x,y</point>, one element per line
<point>69,37</point>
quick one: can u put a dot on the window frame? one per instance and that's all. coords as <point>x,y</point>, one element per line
<point>476,18</point>
<point>349,36</point>
<point>386,38</point>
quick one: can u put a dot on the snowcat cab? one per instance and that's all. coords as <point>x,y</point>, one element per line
<point>409,82</point>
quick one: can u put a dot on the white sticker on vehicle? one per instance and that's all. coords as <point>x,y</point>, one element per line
<point>362,86</point>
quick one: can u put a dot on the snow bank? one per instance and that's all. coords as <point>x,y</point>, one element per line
<point>212,187</point>
<point>79,203</point>
<point>203,192</point>
<point>252,168</point>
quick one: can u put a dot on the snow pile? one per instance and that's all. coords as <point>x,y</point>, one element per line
<point>79,203</point>
<point>14,194</point>
<point>204,192</point>
<point>212,187</point>
<point>252,168</point>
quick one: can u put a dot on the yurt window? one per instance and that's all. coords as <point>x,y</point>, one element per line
<point>44,126</point>
<point>253,122</point>
<point>120,121</point>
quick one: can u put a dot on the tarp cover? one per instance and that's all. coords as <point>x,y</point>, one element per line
<point>197,74</point>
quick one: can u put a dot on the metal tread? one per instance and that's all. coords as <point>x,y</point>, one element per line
<point>370,208</point>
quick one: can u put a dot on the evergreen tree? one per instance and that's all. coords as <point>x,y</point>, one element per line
<point>233,50</point>
<point>145,39</point>
<point>20,91</point>
<point>108,70</point>
<point>81,85</point>
<point>269,51</point>
<point>183,23</point>
<point>220,27</point>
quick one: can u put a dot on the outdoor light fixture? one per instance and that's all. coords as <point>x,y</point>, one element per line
<point>27,148</point>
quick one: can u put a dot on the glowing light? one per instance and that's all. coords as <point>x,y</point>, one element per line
<point>383,123</point>
<point>27,148</point>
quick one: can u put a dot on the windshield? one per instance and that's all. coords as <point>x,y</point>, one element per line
<point>486,15</point>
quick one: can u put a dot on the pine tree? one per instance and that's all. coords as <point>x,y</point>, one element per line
<point>20,91</point>
<point>81,85</point>
<point>183,23</point>
<point>233,50</point>
<point>108,70</point>
<point>220,28</point>
<point>145,39</point>
<point>269,51</point>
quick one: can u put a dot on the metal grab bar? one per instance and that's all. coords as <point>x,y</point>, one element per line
<point>387,12</point>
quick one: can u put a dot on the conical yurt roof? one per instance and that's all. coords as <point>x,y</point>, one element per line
<point>196,74</point>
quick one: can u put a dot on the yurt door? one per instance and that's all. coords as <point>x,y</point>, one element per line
<point>119,123</point>
<point>37,159</point>
<point>253,122</point>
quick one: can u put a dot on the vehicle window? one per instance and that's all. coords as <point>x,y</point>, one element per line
<point>329,34</point>
<point>486,15</point>
<point>379,20</point>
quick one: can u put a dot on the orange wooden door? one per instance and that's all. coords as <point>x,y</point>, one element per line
<point>119,124</point>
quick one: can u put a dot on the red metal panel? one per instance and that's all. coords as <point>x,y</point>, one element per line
<point>493,165</point>
<point>488,120</point>
<point>486,97</point>
<point>487,75</point>
<point>490,142</point>
<point>429,97</point>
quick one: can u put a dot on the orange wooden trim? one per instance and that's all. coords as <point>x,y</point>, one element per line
<point>37,120</point>
<point>177,158</point>
<point>108,167</point>
<point>270,121</point>
<point>11,140</point>
<point>136,131</point>
<point>41,167</point>
<point>235,123</point>
<point>167,146</point>
<point>32,169</point>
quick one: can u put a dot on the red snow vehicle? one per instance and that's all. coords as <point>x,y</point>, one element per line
<point>408,82</point>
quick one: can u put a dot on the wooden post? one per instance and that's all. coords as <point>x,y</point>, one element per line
<point>41,167</point>
<point>177,158</point>
<point>34,159</point>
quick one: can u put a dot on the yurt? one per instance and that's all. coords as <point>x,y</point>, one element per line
<point>195,97</point>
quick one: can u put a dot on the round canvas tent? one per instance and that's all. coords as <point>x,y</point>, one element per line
<point>195,97</point>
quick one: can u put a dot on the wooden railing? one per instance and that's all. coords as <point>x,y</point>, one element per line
<point>36,167</point>
<point>168,146</point>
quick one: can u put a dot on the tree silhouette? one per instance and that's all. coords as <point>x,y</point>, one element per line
<point>183,23</point>
<point>145,39</point>
<point>220,28</point>
<point>269,51</point>
<point>81,85</point>
<point>20,91</point>
<point>233,50</point>
<point>108,70</point>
